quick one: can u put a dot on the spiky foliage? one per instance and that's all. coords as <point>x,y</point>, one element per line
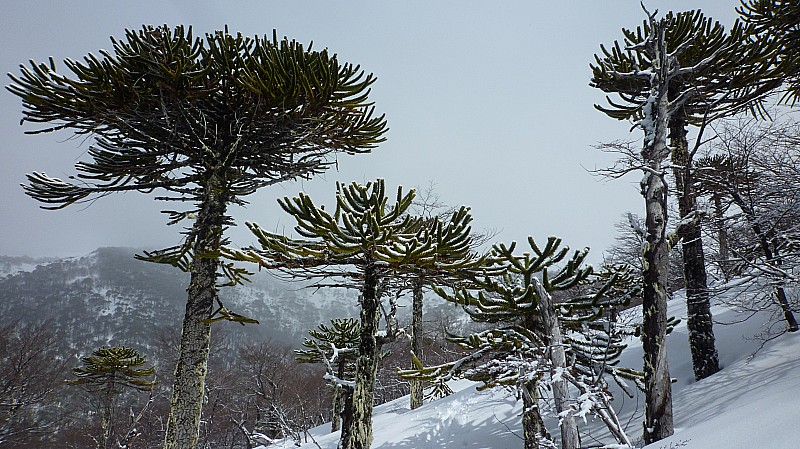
<point>740,75</point>
<point>512,303</point>
<point>106,373</point>
<point>335,341</point>
<point>778,20</point>
<point>456,264</point>
<point>167,109</point>
<point>113,369</point>
<point>206,120</point>
<point>365,241</point>
<point>518,350</point>
<point>591,328</point>
<point>336,347</point>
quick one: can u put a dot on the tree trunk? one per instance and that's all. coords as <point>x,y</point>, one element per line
<point>658,390</point>
<point>107,418</point>
<point>337,400</point>
<point>357,434</point>
<point>774,257</point>
<point>532,425</point>
<point>569,428</point>
<point>780,293</point>
<point>346,395</point>
<point>417,386</point>
<point>722,236</point>
<point>183,424</point>
<point>705,360</point>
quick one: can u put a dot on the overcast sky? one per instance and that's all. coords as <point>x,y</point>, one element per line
<point>489,101</point>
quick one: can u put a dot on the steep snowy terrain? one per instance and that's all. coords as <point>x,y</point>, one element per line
<point>751,403</point>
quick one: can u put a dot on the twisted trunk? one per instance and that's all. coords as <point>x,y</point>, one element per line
<point>658,390</point>
<point>183,424</point>
<point>569,428</point>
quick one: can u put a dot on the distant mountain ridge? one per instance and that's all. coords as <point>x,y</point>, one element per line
<point>107,297</point>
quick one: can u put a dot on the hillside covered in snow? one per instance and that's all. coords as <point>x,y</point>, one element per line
<point>750,404</point>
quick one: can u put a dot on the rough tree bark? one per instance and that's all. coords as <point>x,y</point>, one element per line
<point>336,408</point>
<point>188,391</point>
<point>357,430</point>
<point>533,428</point>
<point>658,390</point>
<point>417,386</point>
<point>569,428</point>
<point>705,360</point>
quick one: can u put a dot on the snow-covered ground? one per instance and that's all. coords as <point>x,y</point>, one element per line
<point>752,403</point>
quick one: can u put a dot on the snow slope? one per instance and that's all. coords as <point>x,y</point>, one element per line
<point>752,403</point>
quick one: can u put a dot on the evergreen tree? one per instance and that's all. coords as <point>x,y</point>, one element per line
<point>107,372</point>
<point>738,78</point>
<point>363,243</point>
<point>334,346</point>
<point>525,347</point>
<point>207,120</point>
<point>778,20</point>
<point>456,263</point>
<point>657,69</point>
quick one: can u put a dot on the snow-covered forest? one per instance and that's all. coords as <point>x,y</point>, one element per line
<point>384,318</point>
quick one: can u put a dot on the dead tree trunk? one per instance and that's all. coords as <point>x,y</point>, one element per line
<point>658,390</point>
<point>569,428</point>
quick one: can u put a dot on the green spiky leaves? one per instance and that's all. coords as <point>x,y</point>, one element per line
<point>742,72</point>
<point>167,108</point>
<point>111,369</point>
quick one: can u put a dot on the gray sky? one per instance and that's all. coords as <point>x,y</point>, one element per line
<point>487,100</point>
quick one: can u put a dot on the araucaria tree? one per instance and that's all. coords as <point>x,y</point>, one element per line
<point>533,344</point>
<point>338,342</point>
<point>107,373</point>
<point>779,20</point>
<point>658,66</point>
<point>208,121</point>
<point>363,243</point>
<point>739,77</point>
<point>455,264</point>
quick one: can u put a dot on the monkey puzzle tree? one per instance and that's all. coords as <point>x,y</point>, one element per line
<point>731,71</point>
<point>334,346</point>
<point>362,244</point>
<point>656,66</point>
<point>778,20</point>
<point>208,120</point>
<point>455,264</point>
<point>532,343</point>
<point>107,372</point>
